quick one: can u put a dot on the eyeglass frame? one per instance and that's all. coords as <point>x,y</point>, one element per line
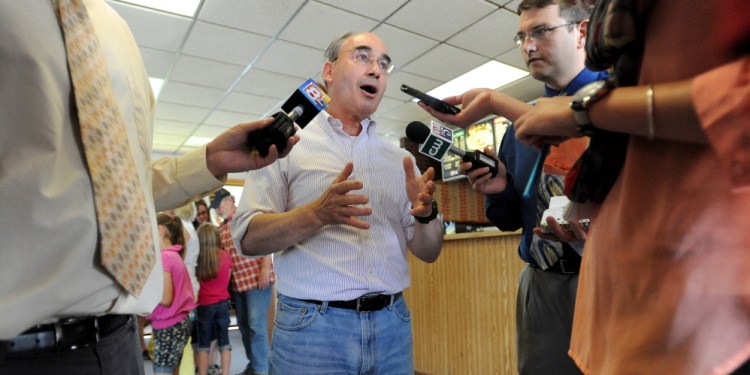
<point>542,30</point>
<point>363,50</point>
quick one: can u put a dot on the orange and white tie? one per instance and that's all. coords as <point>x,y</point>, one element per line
<point>126,240</point>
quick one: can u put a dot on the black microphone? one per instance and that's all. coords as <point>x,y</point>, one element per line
<point>436,146</point>
<point>304,104</point>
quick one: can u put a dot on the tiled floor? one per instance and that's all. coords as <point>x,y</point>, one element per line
<point>239,361</point>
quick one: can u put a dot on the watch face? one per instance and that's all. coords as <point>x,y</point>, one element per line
<point>585,93</point>
<point>584,97</point>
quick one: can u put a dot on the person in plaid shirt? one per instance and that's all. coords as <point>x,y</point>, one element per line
<point>251,287</point>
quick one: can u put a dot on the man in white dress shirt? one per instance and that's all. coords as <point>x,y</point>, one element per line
<point>351,206</point>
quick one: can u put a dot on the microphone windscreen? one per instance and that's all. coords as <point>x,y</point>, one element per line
<point>417,132</point>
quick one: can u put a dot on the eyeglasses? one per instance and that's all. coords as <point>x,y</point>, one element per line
<point>538,33</point>
<point>362,57</point>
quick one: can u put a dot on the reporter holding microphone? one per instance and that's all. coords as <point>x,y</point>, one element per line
<point>551,39</point>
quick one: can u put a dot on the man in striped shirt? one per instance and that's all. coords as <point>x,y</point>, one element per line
<point>340,217</point>
<point>251,287</point>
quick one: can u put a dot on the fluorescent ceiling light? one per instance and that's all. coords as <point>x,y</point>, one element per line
<point>156,84</point>
<point>491,75</point>
<point>197,141</point>
<point>182,7</point>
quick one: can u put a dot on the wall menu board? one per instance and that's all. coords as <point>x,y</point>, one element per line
<point>486,133</point>
<point>451,161</point>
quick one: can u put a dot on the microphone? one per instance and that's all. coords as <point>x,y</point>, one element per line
<point>436,144</point>
<point>304,104</point>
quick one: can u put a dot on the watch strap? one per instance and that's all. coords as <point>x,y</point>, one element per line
<point>431,216</point>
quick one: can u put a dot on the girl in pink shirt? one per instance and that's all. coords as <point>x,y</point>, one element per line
<point>170,318</point>
<point>213,272</point>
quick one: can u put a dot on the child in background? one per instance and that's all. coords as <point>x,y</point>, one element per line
<point>170,318</point>
<point>213,271</point>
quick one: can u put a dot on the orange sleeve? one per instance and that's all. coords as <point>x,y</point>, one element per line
<point>721,98</point>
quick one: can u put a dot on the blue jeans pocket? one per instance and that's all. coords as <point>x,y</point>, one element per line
<point>294,315</point>
<point>401,309</point>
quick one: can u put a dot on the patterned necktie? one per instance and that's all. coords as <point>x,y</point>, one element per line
<point>124,226</point>
<point>545,252</point>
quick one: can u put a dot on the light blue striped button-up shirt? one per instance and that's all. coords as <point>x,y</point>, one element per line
<point>338,262</point>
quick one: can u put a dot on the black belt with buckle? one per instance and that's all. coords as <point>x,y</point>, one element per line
<point>366,303</point>
<point>566,266</point>
<point>67,334</point>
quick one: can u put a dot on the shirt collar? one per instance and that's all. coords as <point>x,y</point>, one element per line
<point>368,124</point>
<point>584,77</point>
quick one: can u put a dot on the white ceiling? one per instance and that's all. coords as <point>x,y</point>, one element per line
<point>238,60</point>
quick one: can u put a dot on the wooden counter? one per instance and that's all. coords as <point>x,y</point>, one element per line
<point>463,305</point>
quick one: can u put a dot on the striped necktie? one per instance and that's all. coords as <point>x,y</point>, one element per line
<point>125,233</point>
<point>545,252</point>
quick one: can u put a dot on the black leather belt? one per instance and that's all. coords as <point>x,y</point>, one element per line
<point>566,266</point>
<point>65,335</point>
<point>366,303</point>
<point>569,264</point>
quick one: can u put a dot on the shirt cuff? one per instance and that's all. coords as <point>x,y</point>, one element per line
<point>721,98</point>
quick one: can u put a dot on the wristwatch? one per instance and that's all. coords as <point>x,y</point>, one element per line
<point>582,101</point>
<point>431,216</point>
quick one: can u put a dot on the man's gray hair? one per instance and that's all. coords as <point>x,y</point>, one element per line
<point>332,52</point>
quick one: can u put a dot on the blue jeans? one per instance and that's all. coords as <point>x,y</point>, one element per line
<point>317,339</point>
<point>213,324</point>
<point>252,319</point>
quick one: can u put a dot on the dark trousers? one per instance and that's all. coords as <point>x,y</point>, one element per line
<point>117,353</point>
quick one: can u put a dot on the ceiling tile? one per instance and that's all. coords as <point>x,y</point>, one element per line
<point>403,46</point>
<point>189,94</point>
<point>329,23</point>
<point>210,73</point>
<point>430,42</point>
<point>439,19</point>
<point>157,62</point>
<point>416,81</point>
<point>378,10</point>
<point>174,127</point>
<point>444,63</point>
<point>503,2</point>
<point>154,29</point>
<point>239,102</point>
<point>208,131</point>
<point>512,5</point>
<point>261,17</point>
<point>263,82</point>
<point>513,57</point>
<point>228,119</point>
<point>179,112</point>
<point>291,59</point>
<point>406,113</point>
<point>224,44</point>
<point>489,36</point>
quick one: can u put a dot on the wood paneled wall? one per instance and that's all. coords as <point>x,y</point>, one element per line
<point>463,306</point>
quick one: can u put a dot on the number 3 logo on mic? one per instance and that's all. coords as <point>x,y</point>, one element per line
<point>438,142</point>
